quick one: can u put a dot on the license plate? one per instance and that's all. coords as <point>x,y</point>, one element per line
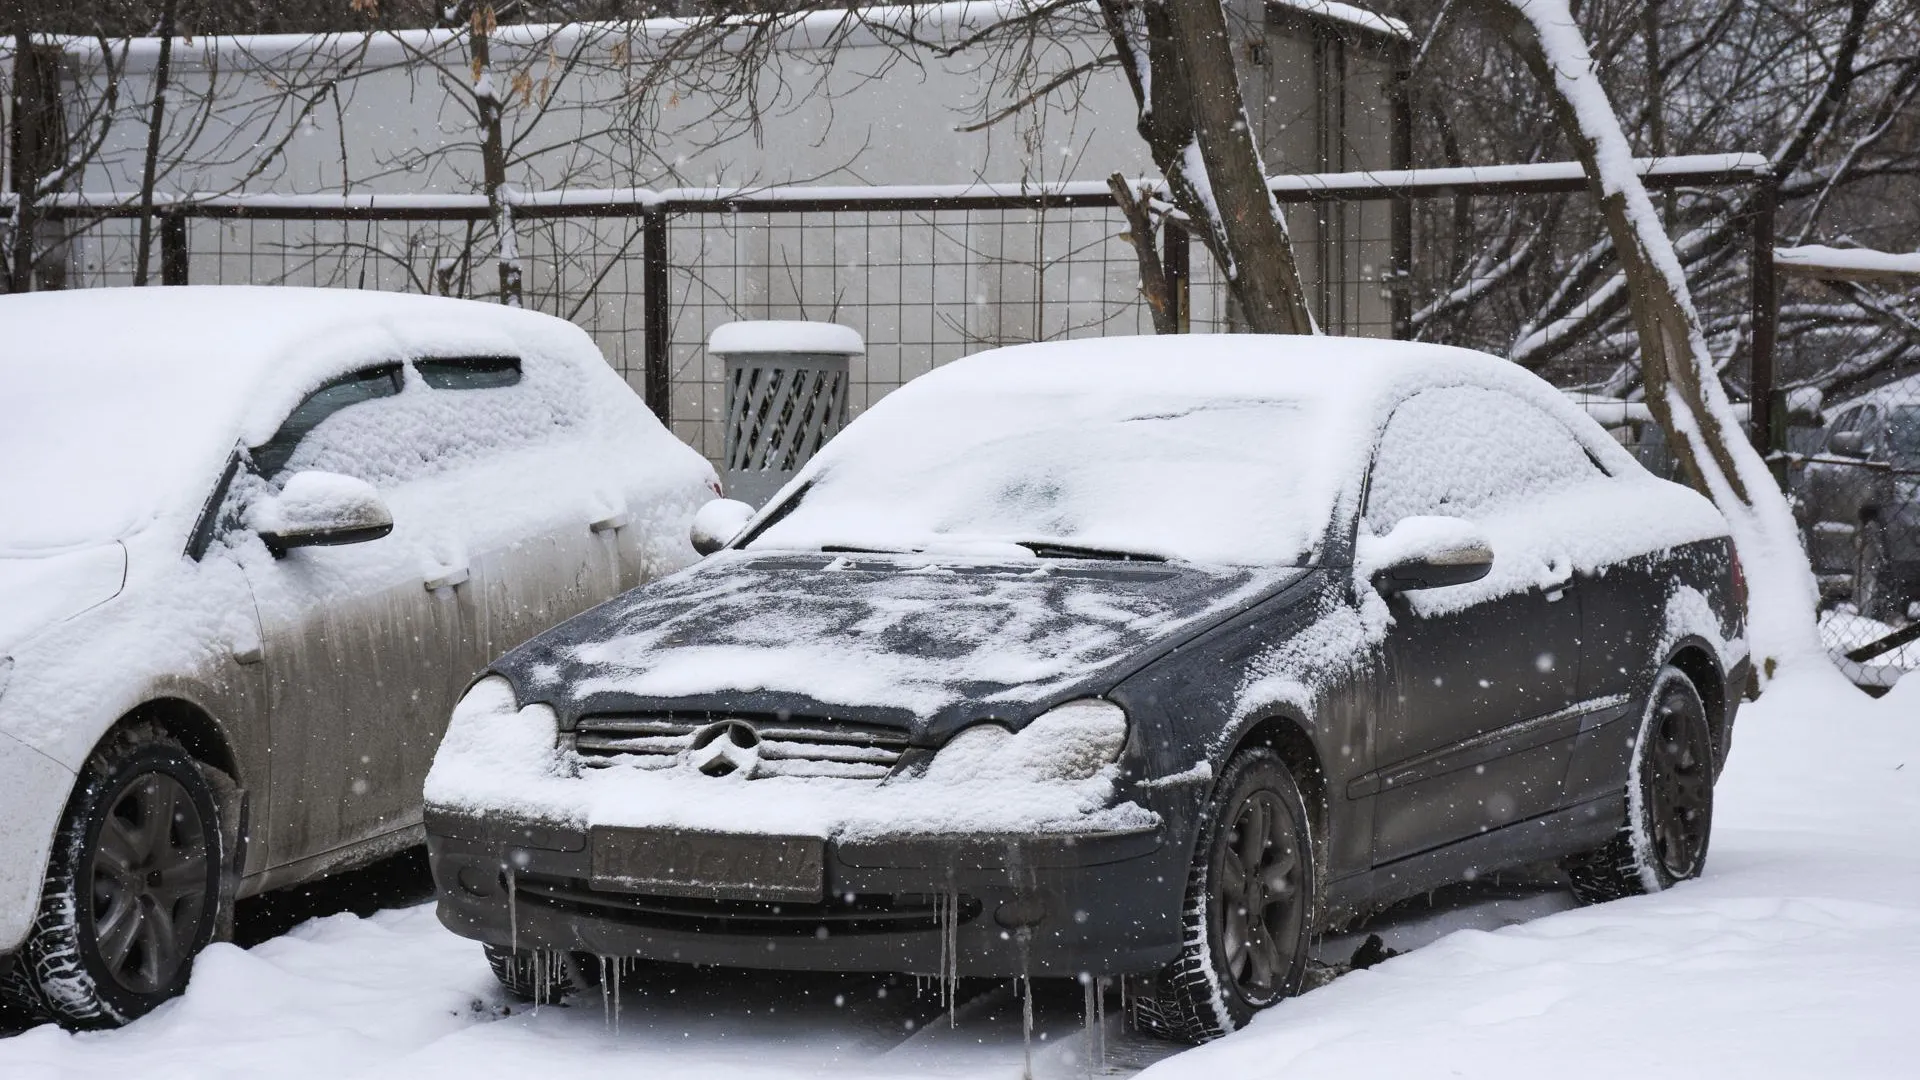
<point>714,866</point>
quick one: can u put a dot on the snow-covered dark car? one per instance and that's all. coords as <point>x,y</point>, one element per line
<point>1149,658</point>
<point>253,544</point>
<point>1858,497</point>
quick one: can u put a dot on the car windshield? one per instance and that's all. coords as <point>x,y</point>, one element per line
<point>1068,476</point>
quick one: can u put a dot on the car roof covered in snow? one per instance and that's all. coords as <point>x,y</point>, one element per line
<point>1238,443</point>
<point>1902,391</point>
<point>139,395</point>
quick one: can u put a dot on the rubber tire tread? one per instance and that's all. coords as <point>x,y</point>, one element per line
<point>526,980</point>
<point>1182,1001</point>
<point>1615,871</point>
<point>50,978</point>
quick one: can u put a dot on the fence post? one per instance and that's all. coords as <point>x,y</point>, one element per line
<point>1769,427</point>
<point>657,315</point>
<point>1400,257</point>
<point>1176,263</point>
<point>173,249</point>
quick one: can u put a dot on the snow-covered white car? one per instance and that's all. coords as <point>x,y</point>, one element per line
<point>253,544</point>
<point>1150,658</point>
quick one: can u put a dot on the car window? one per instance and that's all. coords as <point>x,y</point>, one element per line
<point>468,372</point>
<point>460,411</point>
<point>1465,451</point>
<point>271,457</point>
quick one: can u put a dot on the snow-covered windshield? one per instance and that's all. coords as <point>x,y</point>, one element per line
<point>1199,478</point>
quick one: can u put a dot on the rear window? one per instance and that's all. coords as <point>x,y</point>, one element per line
<point>468,372</point>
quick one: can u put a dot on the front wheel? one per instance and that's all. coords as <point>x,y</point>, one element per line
<point>133,886</point>
<point>1248,911</point>
<point>1669,801</point>
<point>536,975</point>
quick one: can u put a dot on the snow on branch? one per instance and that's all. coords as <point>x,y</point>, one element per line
<point>1847,264</point>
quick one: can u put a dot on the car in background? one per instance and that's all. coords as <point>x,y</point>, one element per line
<point>253,544</point>
<point>1858,498</point>
<point>1151,658</point>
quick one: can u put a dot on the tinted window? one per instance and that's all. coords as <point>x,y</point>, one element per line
<point>270,457</point>
<point>468,372</point>
<point>1467,452</point>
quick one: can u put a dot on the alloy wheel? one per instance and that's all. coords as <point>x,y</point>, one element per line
<point>148,882</point>
<point>1679,782</point>
<point>1260,898</point>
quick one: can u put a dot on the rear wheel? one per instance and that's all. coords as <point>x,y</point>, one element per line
<point>133,886</point>
<point>536,975</point>
<point>1669,801</point>
<point>1248,908</point>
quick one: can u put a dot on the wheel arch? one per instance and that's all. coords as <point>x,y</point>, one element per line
<point>192,726</point>
<point>1697,661</point>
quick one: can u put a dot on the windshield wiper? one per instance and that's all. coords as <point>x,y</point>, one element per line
<point>855,549</point>
<point>1047,549</point>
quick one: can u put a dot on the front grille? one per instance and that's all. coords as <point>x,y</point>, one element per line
<point>795,746</point>
<point>854,913</point>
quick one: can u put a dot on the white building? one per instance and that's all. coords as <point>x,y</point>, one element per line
<point>387,120</point>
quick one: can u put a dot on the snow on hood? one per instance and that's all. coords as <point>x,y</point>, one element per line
<point>119,407</point>
<point>925,642</point>
<point>38,592</point>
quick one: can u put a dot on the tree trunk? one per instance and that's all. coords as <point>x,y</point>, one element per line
<point>1178,58</point>
<point>149,166</point>
<point>493,155</point>
<point>28,149</point>
<point>1683,388</point>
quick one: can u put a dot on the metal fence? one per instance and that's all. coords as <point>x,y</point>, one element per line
<point>925,275</point>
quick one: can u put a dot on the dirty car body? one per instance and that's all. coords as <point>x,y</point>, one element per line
<point>254,544</point>
<point>957,700</point>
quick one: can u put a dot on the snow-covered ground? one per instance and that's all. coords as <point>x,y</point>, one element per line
<point>1797,955</point>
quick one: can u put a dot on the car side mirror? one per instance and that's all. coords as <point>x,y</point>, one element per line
<point>717,523</point>
<point>1848,443</point>
<point>319,509</point>
<point>1425,553</point>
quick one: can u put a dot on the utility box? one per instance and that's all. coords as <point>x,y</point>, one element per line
<point>786,395</point>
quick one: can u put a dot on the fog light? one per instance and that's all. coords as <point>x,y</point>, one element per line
<point>1021,912</point>
<point>474,881</point>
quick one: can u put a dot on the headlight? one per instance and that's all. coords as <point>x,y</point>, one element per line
<point>492,743</point>
<point>1067,743</point>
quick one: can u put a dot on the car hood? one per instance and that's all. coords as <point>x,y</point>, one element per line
<point>38,591</point>
<point>919,643</point>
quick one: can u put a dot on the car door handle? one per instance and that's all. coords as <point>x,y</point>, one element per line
<point>1558,577</point>
<point>616,521</point>
<point>447,580</point>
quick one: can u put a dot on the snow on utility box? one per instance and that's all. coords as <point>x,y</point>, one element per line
<point>786,396</point>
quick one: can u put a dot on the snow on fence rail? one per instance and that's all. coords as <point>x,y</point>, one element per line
<point>926,273</point>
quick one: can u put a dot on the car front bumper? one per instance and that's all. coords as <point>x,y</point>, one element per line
<point>1050,905</point>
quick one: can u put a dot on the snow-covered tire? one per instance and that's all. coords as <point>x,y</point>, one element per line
<point>536,975</point>
<point>1246,933</point>
<point>125,906</point>
<point>1669,801</point>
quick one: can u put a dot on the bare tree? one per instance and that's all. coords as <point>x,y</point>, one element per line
<point>1826,90</point>
<point>1681,378</point>
<point>1179,63</point>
